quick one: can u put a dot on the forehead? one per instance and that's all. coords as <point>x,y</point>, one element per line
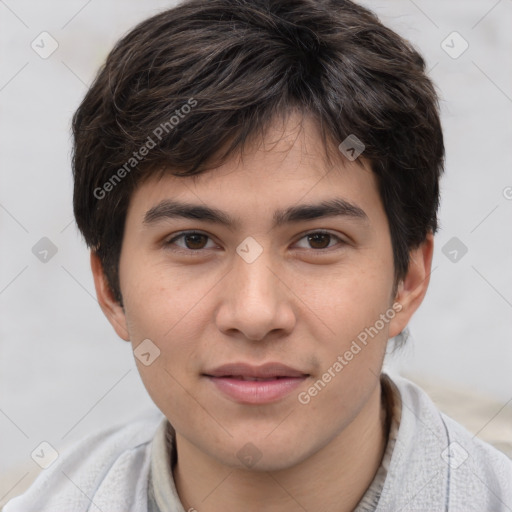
<point>287,166</point>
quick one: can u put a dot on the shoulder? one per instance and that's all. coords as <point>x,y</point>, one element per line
<point>477,469</point>
<point>108,468</point>
<point>438,461</point>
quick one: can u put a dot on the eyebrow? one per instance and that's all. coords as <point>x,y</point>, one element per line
<point>337,207</point>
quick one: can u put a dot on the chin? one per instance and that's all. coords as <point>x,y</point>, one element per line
<point>263,457</point>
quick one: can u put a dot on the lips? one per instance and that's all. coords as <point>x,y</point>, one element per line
<point>248,372</point>
<point>247,384</point>
<point>254,379</point>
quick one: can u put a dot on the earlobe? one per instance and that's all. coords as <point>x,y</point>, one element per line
<point>413,287</point>
<point>109,305</point>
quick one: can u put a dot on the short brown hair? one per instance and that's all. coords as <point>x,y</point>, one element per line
<point>237,64</point>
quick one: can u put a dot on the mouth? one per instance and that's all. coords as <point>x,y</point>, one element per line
<point>254,379</point>
<point>248,384</point>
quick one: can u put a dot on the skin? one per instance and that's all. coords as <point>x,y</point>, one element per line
<point>298,303</point>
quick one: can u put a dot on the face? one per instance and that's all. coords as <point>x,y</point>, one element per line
<point>274,266</point>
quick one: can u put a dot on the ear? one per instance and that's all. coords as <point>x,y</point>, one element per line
<point>109,305</point>
<point>412,289</point>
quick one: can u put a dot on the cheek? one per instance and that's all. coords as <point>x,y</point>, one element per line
<point>358,315</point>
<point>168,308</point>
<point>350,298</point>
<point>169,314</point>
<point>162,298</point>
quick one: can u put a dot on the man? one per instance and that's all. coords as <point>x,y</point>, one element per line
<point>258,182</point>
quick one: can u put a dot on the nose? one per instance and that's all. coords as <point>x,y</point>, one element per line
<point>255,302</point>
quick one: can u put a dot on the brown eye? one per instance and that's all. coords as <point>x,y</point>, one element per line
<point>191,241</point>
<point>319,240</point>
<point>195,241</point>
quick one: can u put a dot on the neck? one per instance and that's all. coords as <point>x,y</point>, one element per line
<point>334,478</point>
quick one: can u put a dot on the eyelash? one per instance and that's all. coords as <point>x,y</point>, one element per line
<point>197,251</point>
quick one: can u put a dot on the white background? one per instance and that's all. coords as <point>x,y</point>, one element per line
<point>64,373</point>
